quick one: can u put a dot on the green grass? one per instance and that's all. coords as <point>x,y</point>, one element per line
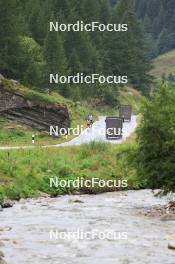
<point>15,134</point>
<point>164,64</point>
<point>26,172</point>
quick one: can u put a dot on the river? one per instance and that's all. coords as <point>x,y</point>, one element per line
<point>110,228</point>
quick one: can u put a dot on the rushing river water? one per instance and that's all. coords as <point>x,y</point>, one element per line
<point>30,231</point>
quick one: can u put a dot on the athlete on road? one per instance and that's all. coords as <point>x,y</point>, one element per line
<point>89,121</point>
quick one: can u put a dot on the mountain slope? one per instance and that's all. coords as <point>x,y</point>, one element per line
<point>164,64</point>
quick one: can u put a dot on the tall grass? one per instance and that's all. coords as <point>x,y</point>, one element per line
<point>26,172</point>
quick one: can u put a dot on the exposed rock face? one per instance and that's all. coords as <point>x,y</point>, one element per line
<point>15,106</point>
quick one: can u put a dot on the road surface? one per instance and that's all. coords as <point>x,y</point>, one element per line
<point>96,133</point>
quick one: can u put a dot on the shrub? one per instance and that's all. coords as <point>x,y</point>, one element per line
<point>156,139</point>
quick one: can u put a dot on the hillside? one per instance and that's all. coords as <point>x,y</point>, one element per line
<point>30,107</point>
<point>24,112</point>
<point>164,64</point>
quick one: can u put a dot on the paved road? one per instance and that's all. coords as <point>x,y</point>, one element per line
<point>96,133</point>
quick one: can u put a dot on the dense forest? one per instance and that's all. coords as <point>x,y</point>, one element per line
<point>29,52</point>
<point>158,18</point>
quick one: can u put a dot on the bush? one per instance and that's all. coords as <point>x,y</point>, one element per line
<point>156,140</point>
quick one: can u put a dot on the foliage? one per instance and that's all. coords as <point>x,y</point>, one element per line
<point>132,48</point>
<point>26,172</point>
<point>158,17</point>
<point>9,31</point>
<point>30,64</point>
<point>156,139</point>
<point>29,52</point>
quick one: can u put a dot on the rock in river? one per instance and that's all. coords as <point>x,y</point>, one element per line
<point>171,245</point>
<point>2,261</point>
<point>7,204</point>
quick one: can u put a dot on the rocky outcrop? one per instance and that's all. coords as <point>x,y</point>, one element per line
<point>15,106</point>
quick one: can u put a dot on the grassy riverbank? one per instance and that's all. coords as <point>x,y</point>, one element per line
<point>25,173</point>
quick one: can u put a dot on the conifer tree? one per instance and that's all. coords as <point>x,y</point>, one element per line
<point>55,53</point>
<point>128,50</point>
<point>9,32</point>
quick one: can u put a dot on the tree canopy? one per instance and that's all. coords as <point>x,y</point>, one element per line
<point>25,25</point>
